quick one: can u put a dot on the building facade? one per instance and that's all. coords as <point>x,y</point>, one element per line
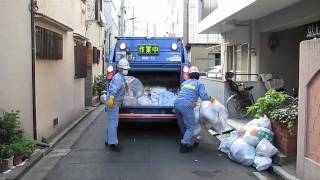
<point>49,89</point>
<point>264,37</point>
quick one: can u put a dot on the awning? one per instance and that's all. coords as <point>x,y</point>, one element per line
<point>52,22</point>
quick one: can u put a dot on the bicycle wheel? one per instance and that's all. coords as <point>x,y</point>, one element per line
<point>289,100</point>
<point>234,108</point>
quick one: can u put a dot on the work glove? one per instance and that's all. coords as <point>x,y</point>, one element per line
<point>213,99</point>
<point>110,102</point>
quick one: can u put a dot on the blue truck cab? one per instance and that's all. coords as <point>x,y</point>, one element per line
<point>156,61</point>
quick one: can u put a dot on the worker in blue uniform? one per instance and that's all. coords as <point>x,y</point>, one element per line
<point>115,96</point>
<point>184,105</point>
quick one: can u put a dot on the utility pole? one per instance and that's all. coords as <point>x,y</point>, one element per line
<point>122,20</point>
<point>147,28</point>
<point>133,21</point>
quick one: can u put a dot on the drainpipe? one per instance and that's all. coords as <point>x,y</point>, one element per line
<point>249,48</point>
<point>33,7</point>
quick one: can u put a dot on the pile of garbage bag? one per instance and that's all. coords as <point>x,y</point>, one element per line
<point>210,115</point>
<point>251,145</point>
<point>138,95</point>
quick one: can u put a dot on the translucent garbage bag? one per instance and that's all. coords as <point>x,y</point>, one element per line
<point>226,144</point>
<point>166,98</point>
<point>262,163</point>
<point>130,101</point>
<point>253,135</point>
<point>265,148</point>
<point>197,130</point>
<point>242,152</point>
<point>214,115</point>
<point>260,122</point>
<point>135,87</point>
<point>145,101</point>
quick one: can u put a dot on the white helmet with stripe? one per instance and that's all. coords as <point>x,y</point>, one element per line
<point>123,63</point>
<point>193,69</point>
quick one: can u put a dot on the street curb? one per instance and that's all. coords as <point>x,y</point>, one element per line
<point>37,156</point>
<point>283,173</point>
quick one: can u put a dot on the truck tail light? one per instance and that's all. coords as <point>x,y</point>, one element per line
<point>109,75</point>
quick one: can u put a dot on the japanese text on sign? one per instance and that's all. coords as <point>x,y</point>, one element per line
<point>148,49</point>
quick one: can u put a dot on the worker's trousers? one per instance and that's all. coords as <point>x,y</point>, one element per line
<point>186,121</point>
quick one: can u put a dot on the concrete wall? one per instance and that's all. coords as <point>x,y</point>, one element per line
<point>69,12</point>
<point>283,62</point>
<point>15,64</point>
<point>199,57</point>
<point>95,34</point>
<point>221,90</point>
<point>308,151</point>
<point>59,94</point>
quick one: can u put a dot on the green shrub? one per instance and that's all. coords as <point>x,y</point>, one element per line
<point>5,151</point>
<point>265,105</point>
<point>23,147</point>
<point>287,116</point>
<point>99,84</point>
<point>10,130</point>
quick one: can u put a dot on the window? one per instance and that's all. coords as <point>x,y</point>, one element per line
<point>49,44</point>
<point>96,55</point>
<point>207,7</point>
<point>80,60</point>
<point>97,9</point>
<point>238,61</point>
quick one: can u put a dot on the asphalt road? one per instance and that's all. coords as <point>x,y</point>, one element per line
<point>151,152</point>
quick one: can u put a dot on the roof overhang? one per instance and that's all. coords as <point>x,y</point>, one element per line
<point>226,17</point>
<point>79,37</point>
<point>52,22</point>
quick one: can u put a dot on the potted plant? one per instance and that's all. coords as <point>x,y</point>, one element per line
<point>6,158</point>
<point>28,148</point>
<point>265,105</point>
<point>284,124</point>
<point>10,130</point>
<point>99,84</point>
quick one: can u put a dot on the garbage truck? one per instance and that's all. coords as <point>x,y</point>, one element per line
<point>159,63</point>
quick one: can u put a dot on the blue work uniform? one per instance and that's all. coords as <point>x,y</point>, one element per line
<point>184,107</point>
<point>116,88</point>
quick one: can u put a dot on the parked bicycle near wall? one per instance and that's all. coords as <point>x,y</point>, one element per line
<point>240,99</point>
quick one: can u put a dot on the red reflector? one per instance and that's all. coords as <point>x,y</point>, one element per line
<point>185,76</point>
<point>109,75</point>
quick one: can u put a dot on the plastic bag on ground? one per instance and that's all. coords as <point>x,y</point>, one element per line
<point>262,163</point>
<point>260,122</point>
<point>130,101</point>
<point>253,135</point>
<point>197,130</point>
<point>214,115</point>
<point>265,148</point>
<point>242,152</point>
<point>135,87</point>
<point>226,144</point>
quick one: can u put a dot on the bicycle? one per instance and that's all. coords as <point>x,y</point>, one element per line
<point>241,98</point>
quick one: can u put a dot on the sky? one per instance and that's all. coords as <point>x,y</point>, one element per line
<point>151,12</point>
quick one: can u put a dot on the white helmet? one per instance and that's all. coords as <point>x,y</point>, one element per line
<point>193,69</point>
<point>123,63</point>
